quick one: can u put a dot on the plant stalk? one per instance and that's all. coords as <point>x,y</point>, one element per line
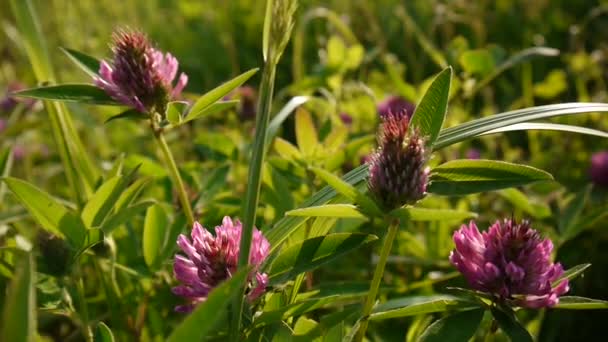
<point>175,176</point>
<point>254,181</point>
<point>84,311</point>
<point>378,273</point>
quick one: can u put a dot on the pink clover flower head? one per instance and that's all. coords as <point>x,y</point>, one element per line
<point>509,261</point>
<point>398,174</point>
<point>210,259</point>
<point>140,76</point>
<point>395,104</point>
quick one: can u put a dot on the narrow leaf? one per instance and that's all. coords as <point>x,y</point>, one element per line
<point>87,63</point>
<point>531,126</point>
<point>328,210</point>
<point>123,215</point>
<point>306,133</point>
<point>570,215</point>
<point>458,327</point>
<point>580,303</point>
<point>571,273</point>
<point>156,226</point>
<point>427,214</point>
<point>211,109</point>
<point>438,303</point>
<point>128,114</point>
<point>430,112</point>
<point>174,111</point>
<point>207,314</point>
<point>219,92</point>
<point>466,176</point>
<point>83,93</point>
<point>19,314</point>
<point>282,115</point>
<point>103,333</point>
<point>6,163</point>
<point>314,252</point>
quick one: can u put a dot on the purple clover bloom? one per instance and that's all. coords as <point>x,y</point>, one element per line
<point>398,173</point>
<point>140,76</point>
<point>473,153</point>
<point>599,168</point>
<point>211,259</point>
<point>510,261</point>
<point>395,104</point>
<point>9,102</point>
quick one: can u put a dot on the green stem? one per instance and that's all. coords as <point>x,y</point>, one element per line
<point>175,176</point>
<point>378,273</point>
<point>84,311</point>
<point>254,181</point>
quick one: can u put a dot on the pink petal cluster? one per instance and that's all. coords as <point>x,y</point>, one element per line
<point>139,75</point>
<point>398,174</point>
<point>510,261</point>
<point>210,259</point>
<point>599,168</point>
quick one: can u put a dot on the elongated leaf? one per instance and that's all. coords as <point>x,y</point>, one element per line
<point>306,133</point>
<point>531,126</point>
<point>438,303</point>
<point>207,314</point>
<point>174,111</point>
<point>328,210</point>
<point>293,310</point>
<point>509,324</point>
<point>87,63</point>
<point>123,215</point>
<point>430,112</point>
<point>467,176</point>
<point>580,303</point>
<point>458,327</point>
<point>211,109</point>
<point>427,214</point>
<point>477,127</point>
<point>49,213</point>
<point>103,333</point>
<point>19,313</point>
<point>128,114</point>
<point>520,200</point>
<point>131,193</point>
<point>155,234</point>
<point>219,92</point>
<point>571,273</point>
<point>314,252</point>
<point>288,224</point>
<point>349,191</point>
<point>83,93</point>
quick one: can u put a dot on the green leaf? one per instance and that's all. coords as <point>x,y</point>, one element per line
<point>103,333</point>
<point>156,227</point>
<point>328,210</point>
<point>314,252</point>
<point>427,214</point>
<point>531,126</point>
<point>19,314</point>
<point>293,310</point>
<point>411,306</point>
<point>288,224</point>
<point>511,326</point>
<point>103,200</point>
<point>211,109</point>
<point>83,93</point>
<point>571,273</point>
<point>93,237</point>
<point>430,112</point>
<point>282,115</point>
<point>580,303</point>
<point>477,62</point>
<point>520,200</point>
<point>306,133</point>
<point>570,215</point>
<point>87,63</point>
<point>174,111</point>
<point>266,32</point>
<point>49,213</point>
<point>466,176</point>
<point>123,215</point>
<point>348,191</point>
<point>200,322</point>
<point>128,114</point>
<point>458,327</point>
<point>477,127</point>
<point>218,93</point>
<point>131,193</point>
